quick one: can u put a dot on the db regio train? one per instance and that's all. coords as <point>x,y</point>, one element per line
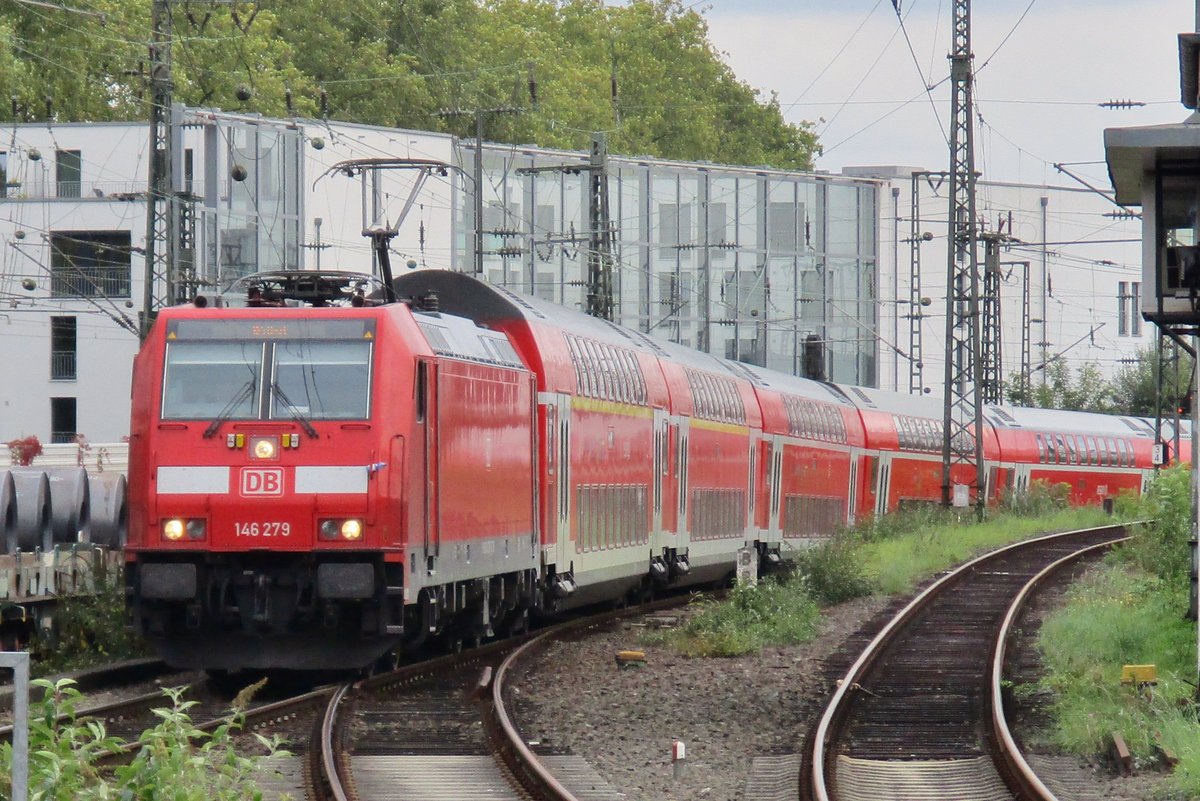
<point>320,477</point>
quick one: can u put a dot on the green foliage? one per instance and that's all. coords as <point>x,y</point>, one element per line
<point>1039,500</point>
<point>1119,615</point>
<point>1131,390</point>
<point>1131,611</point>
<point>1085,391</point>
<point>175,760</point>
<point>897,565</point>
<point>908,520</point>
<point>88,630</point>
<point>771,613</point>
<point>1161,545</point>
<point>398,64</point>
<point>833,570</point>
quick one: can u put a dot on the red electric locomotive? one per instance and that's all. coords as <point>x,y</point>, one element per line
<point>309,484</point>
<point>320,478</point>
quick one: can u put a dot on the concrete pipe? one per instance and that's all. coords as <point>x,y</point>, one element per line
<point>108,524</point>
<point>70,504</point>
<point>8,513</point>
<point>33,509</point>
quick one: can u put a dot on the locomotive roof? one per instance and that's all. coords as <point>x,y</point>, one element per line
<point>461,339</point>
<point>1059,420</point>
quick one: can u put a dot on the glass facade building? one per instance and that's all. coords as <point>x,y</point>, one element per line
<point>740,262</point>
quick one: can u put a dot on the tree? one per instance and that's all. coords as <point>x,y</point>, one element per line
<point>398,62</point>
<point>1131,391</point>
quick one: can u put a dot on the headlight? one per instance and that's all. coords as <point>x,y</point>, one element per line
<point>341,529</point>
<point>176,529</point>
<point>263,447</point>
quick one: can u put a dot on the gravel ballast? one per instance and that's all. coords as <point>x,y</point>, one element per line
<point>574,698</point>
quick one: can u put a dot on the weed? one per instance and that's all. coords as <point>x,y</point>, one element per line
<point>775,612</point>
<point>833,570</point>
<point>175,759</point>
<point>88,630</point>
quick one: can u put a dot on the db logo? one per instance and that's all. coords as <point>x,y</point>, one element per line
<point>262,481</point>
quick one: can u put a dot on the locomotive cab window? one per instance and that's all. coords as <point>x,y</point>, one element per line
<point>208,379</point>
<point>321,380</point>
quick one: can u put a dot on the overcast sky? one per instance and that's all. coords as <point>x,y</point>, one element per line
<point>848,62</point>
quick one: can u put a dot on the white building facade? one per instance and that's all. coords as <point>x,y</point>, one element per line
<point>748,263</point>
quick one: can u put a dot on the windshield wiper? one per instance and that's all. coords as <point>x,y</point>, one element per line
<point>227,411</point>
<point>297,415</point>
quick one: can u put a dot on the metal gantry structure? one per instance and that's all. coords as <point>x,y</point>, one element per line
<point>991,385</point>
<point>916,358</point>
<point>963,404</point>
<point>600,239</point>
<point>162,209</point>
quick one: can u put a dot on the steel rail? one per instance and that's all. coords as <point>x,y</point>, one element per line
<point>328,758</point>
<point>512,747</point>
<point>837,708</point>
<point>1018,768</point>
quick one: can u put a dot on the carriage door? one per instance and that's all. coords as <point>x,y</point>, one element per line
<point>426,392</point>
<point>852,493</point>
<point>562,552</point>
<point>882,484</point>
<point>1020,474</point>
<point>662,464</point>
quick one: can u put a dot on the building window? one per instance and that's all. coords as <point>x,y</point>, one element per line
<point>1122,309</point>
<point>67,173</point>
<point>62,348</point>
<point>62,420</point>
<point>1135,308</point>
<point>674,227</point>
<point>89,264</point>
<point>1129,305</point>
<point>782,227</point>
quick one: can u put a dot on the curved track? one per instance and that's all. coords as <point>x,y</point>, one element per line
<point>907,720</point>
<point>441,729</point>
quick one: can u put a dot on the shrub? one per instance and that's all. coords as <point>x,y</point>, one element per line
<point>772,613</point>
<point>88,630</point>
<point>1038,500</point>
<point>834,570</point>
<point>175,760</point>
<point>24,450</point>
<point>1160,546</point>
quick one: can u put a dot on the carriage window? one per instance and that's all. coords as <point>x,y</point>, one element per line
<point>1123,453</point>
<point>1041,446</point>
<point>1093,454</point>
<point>321,380</point>
<point>206,379</point>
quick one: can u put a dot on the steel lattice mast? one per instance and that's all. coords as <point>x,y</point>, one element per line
<point>963,409</point>
<point>161,209</point>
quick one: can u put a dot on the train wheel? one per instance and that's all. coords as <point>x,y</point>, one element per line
<point>386,663</point>
<point>518,622</point>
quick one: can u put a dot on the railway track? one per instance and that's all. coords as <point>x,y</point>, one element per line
<point>441,729</point>
<point>919,715</point>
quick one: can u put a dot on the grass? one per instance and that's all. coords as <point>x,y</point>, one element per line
<point>886,555</point>
<point>776,612</point>
<point>1131,610</point>
<point>896,565</point>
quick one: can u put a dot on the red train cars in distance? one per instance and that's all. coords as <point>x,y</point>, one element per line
<point>321,484</point>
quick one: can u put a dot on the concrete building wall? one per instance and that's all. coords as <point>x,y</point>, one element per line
<point>1091,263</point>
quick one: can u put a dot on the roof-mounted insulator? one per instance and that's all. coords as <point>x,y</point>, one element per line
<point>429,302</point>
